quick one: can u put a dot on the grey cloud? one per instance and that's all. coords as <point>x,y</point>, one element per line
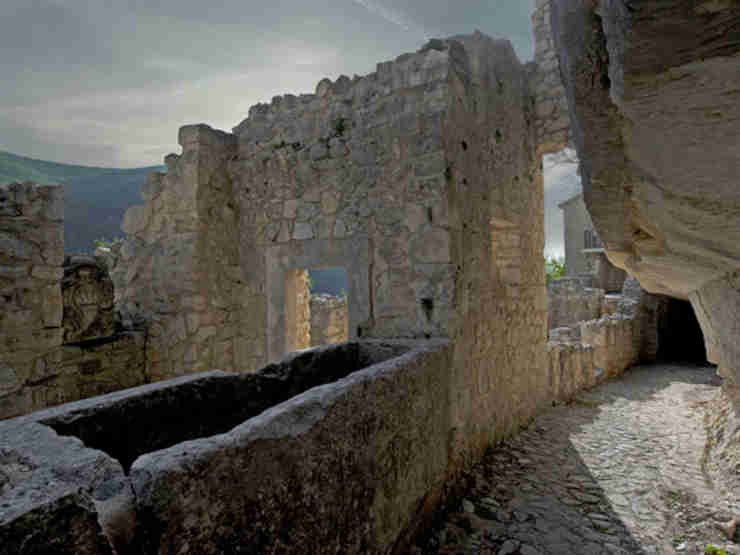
<point>108,82</point>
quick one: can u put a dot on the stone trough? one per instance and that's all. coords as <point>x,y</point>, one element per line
<point>332,449</point>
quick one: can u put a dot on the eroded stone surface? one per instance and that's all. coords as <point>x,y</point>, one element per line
<point>553,119</point>
<point>293,459</point>
<point>57,496</point>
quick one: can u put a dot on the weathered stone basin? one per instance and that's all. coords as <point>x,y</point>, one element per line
<point>210,405</point>
<point>330,449</point>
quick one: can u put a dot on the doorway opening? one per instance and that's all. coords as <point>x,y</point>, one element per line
<point>316,307</point>
<point>680,338</point>
<point>329,306</point>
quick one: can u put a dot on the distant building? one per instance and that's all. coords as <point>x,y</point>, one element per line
<point>578,230</point>
<point>584,251</point>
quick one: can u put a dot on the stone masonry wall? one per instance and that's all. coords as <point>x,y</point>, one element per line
<point>495,190</point>
<point>553,119</point>
<point>352,176</point>
<point>422,180</point>
<point>178,270</point>
<point>31,256</point>
<point>589,352</point>
<point>571,302</point>
<point>58,342</point>
<point>328,319</point>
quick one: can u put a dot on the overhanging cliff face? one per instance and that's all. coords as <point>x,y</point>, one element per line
<point>654,95</point>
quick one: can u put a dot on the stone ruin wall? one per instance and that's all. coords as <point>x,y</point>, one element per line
<point>421,180</point>
<point>287,166</point>
<point>497,238</point>
<point>424,180</point>
<point>606,275</point>
<point>298,328</point>
<point>58,338</point>
<point>31,237</point>
<point>353,176</point>
<point>623,333</point>
<point>553,118</point>
<point>177,272</point>
<point>571,301</point>
<point>328,319</point>
<point>344,154</point>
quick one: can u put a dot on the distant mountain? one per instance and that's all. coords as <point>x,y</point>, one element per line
<point>95,199</point>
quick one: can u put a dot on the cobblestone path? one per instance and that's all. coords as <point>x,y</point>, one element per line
<point>624,469</point>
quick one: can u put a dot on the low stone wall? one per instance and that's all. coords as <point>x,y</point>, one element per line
<point>322,470</point>
<point>96,368</point>
<point>598,350</point>
<point>589,352</point>
<point>328,320</point>
<point>570,368</point>
<point>571,301</point>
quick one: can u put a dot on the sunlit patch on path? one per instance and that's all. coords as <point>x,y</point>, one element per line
<point>622,470</point>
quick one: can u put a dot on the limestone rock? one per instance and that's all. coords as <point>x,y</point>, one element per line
<point>67,526</point>
<point>730,529</point>
<point>136,219</point>
<point>649,88</point>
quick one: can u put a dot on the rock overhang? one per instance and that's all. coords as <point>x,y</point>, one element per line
<point>652,90</point>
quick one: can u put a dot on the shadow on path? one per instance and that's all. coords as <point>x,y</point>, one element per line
<point>617,471</point>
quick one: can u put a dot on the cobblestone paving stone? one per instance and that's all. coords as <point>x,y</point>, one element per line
<point>620,470</point>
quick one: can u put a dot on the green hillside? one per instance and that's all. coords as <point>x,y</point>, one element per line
<point>95,199</point>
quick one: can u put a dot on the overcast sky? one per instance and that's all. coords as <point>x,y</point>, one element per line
<point>109,82</point>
